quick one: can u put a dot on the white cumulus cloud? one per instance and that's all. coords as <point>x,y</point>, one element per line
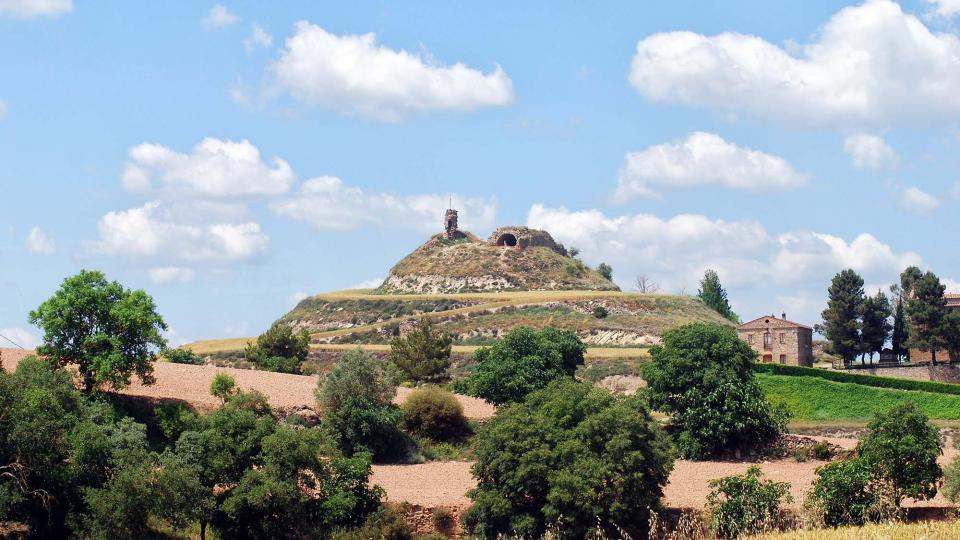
<point>945,8</point>
<point>215,168</point>
<point>219,17</point>
<point>355,73</point>
<point>702,159</point>
<point>258,38</point>
<point>870,151</point>
<point>40,243</point>
<point>171,274</point>
<point>870,64</point>
<point>18,336</point>
<point>160,230</point>
<point>327,203</point>
<point>29,9</point>
<point>918,201</point>
<point>296,298</point>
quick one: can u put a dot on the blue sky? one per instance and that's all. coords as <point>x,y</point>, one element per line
<point>231,158</point>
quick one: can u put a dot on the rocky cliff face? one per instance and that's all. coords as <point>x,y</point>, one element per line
<point>443,266</point>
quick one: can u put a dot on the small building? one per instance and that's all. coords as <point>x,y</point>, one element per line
<point>779,340</point>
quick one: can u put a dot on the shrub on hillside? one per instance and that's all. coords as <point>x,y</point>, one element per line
<point>600,312</point>
<point>359,414</point>
<point>223,386</point>
<point>182,356</point>
<point>423,354</point>
<point>523,361</point>
<point>537,459</point>
<point>841,493</point>
<point>280,348</point>
<point>951,483</point>
<point>434,413</point>
<point>901,448</point>
<point>746,504</point>
<point>701,375</point>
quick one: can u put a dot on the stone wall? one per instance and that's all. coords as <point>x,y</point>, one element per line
<point>941,372</point>
<point>526,237</point>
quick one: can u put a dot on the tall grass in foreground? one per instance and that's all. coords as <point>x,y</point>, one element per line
<point>940,530</point>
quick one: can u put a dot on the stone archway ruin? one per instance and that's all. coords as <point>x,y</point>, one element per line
<point>507,240</point>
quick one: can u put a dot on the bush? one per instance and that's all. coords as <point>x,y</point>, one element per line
<point>841,493</point>
<point>173,418</point>
<point>600,312</point>
<point>821,451</point>
<point>746,504</point>
<point>280,348</point>
<point>182,356</point>
<point>701,375</point>
<point>387,523</point>
<point>435,414</point>
<point>856,378</point>
<point>537,459</point>
<point>901,448</point>
<point>223,386</point>
<point>605,270</point>
<point>444,521</point>
<point>951,484</point>
<point>422,355</point>
<point>523,361</point>
<point>359,414</point>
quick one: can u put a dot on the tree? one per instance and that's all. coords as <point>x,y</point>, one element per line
<point>436,414</point>
<point>107,331</point>
<point>280,348</point>
<point>701,375</point>
<point>359,414</point>
<point>645,285</point>
<point>183,356</point>
<point>908,278</point>
<point>536,460</point>
<point>898,338</point>
<point>841,494</point>
<point>840,319</point>
<point>714,296</point>
<point>605,270</point>
<point>951,334</point>
<point>746,504</point>
<point>423,354</point>
<point>223,386</point>
<point>523,361</point>
<point>927,310</point>
<point>874,324</point>
<point>901,448</point>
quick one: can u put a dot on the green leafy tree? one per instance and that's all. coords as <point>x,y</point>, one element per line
<point>107,331</point>
<point>701,375</point>
<point>951,476</point>
<point>182,356</point>
<point>523,361</point>
<point>356,398</point>
<point>841,494</point>
<point>436,414</point>
<point>927,312</point>
<point>536,460</point>
<point>281,348</point>
<point>179,498</point>
<point>874,323</point>
<point>605,270</point>
<point>746,504</point>
<point>951,334</point>
<point>901,448</point>
<point>841,324</point>
<point>223,386</point>
<point>423,354</point>
<point>712,293</point>
<point>898,338</point>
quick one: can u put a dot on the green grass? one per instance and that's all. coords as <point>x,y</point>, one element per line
<point>813,399</point>
<point>857,378</point>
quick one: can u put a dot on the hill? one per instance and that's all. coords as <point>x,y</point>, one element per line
<point>467,264</point>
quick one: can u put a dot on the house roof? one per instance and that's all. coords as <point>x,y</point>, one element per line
<point>771,320</point>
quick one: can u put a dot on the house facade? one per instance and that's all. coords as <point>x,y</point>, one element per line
<point>779,340</point>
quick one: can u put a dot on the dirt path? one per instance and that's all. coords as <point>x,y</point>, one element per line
<point>192,384</point>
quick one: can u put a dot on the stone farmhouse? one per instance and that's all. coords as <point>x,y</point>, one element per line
<point>779,340</point>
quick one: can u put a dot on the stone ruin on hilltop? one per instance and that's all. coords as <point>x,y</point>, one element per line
<point>509,236</point>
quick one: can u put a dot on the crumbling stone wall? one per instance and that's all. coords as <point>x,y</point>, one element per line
<point>524,237</point>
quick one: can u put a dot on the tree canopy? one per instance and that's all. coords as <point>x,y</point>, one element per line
<point>107,331</point>
<point>423,354</point>
<point>926,312</point>
<point>875,324</point>
<point>280,348</point>
<point>841,318</point>
<point>712,293</point>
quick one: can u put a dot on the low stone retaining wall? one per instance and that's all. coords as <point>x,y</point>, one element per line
<point>941,372</point>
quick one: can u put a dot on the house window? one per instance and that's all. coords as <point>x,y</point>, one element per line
<point>783,338</point>
<point>767,340</point>
<point>750,339</point>
<point>783,359</point>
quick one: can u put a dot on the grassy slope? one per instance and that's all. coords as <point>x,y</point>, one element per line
<point>812,399</point>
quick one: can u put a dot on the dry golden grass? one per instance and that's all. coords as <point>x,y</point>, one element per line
<point>930,530</point>
<point>513,296</point>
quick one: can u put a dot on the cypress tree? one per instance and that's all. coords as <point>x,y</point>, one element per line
<point>712,294</point>
<point>840,319</point>
<point>874,324</point>
<point>899,337</point>
<point>927,312</point>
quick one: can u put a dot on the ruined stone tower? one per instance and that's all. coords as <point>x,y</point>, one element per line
<point>450,223</point>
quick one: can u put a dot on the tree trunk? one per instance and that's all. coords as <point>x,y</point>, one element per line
<point>203,529</point>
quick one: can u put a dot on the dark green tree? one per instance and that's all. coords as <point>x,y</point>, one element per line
<point>841,323</point>
<point>107,331</point>
<point>927,310</point>
<point>875,324</point>
<point>523,361</point>
<point>423,354</point>
<point>841,493</point>
<point>712,293</point>
<point>746,504</point>
<point>701,375</point>
<point>281,348</point>
<point>898,338</point>
<point>901,448</point>
<point>951,334</point>
<point>908,278</point>
<point>536,460</point>
<point>605,270</point>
